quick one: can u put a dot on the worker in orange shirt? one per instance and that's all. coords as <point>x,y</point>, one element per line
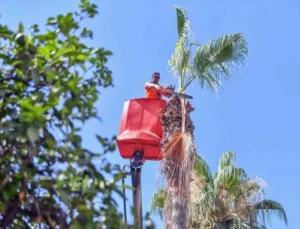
<point>156,91</point>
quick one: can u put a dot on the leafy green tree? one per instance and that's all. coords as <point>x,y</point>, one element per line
<point>49,84</point>
<point>227,199</point>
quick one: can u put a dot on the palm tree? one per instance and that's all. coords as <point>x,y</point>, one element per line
<point>209,64</point>
<point>227,199</point>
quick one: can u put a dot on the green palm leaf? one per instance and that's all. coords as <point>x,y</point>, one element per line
<point>229,200</point>
<point>202,169</point>
<point>207,202</point>
<point>216,60</point>
<point>269,208</point>
<point>183,24</point>
<point>179,61</point>
<point>228,178</point>
<point>236,223</point>
<point>158,202</point>
<point>226,159</point>
<point>228,49</point>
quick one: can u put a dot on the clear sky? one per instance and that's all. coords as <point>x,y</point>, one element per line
<point>256,114</point>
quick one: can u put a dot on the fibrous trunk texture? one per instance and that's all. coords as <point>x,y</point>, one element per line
<point>179,153</point>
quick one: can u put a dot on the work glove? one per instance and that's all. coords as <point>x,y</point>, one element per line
<point>157,87</point>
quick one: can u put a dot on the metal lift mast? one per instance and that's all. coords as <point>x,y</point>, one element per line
<point>135,172</point>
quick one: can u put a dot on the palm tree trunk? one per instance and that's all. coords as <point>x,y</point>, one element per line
<point>177,166</point>
<point>179,212</point>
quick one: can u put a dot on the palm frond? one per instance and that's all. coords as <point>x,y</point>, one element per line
<point>247,194</point>
<point>179,154</point>
<point>206,78</point>
<point>244,177</point>
<point>177,146</point>
<point>202,169</point>
<point>269,208</point>
<point>226,159</point>
<point>228,178</point>
<point>228,49</point>
<point>183,24</point>
<point>207,202</point>
<point>180,58</point>
<point>158,202</point>
<point>218,58</point>
<point>236,223</point>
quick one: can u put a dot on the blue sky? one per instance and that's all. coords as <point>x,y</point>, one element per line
<point>256,114</point>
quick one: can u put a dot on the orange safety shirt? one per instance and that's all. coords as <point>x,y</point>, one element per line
<point>152,92</point>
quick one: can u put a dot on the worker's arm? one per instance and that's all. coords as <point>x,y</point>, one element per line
<point>152,85</point>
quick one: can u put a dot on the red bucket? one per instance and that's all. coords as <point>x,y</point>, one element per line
<point>141,128</point>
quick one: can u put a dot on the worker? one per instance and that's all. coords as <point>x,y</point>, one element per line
<point>156,91</point>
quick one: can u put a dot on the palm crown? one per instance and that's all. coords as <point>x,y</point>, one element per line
<point>225,199</point>
<point>209,63</point>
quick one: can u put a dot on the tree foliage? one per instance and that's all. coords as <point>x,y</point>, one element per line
<point>210,63</point>
<point>49,83</point>
<point>227,199</point>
